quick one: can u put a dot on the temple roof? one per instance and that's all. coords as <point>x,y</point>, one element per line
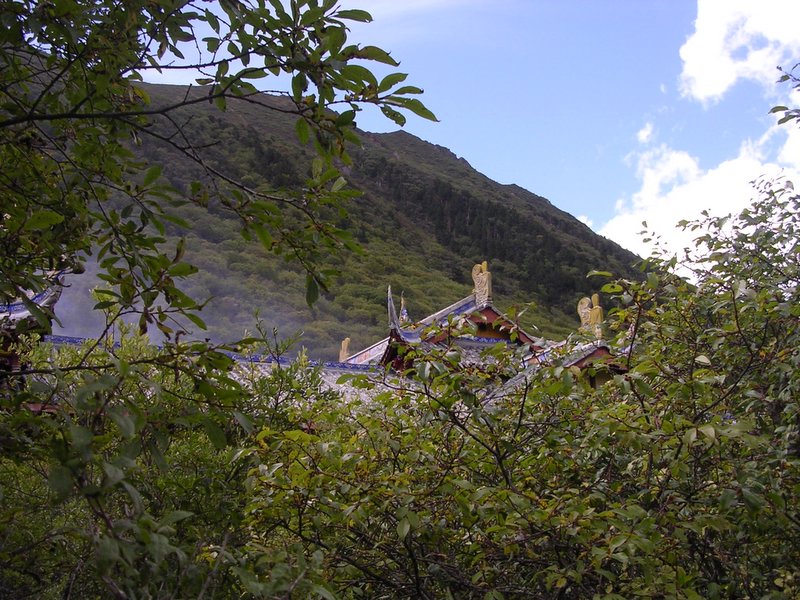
<point>489,326</point>
<point>13,312</point>
<point>414,333</point>
<point>477,308</point>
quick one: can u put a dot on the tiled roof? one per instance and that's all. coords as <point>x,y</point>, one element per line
<point>19,310</point>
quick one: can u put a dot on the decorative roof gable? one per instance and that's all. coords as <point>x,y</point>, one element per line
<point>492,326</point>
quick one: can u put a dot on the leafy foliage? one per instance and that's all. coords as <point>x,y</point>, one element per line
<point>789,114</point>
<point>678,478</point>
<point>71,107</point>
<point>131,471</point>
<point>124,482</point>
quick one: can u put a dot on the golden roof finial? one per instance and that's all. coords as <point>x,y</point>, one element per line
<point>344,351</point>
<point>482,279</point>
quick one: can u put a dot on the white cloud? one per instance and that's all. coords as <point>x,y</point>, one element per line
<point>789,154</point>
<point>585,220</point>
<point>733,40</point>
<point>674,187</point>
<point>645,134</point>
<point>738,39</point>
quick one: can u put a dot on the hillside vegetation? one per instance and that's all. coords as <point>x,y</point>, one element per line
<point>423,218</point>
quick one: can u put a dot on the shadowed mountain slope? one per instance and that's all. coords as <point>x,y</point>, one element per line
<point>423,219</point>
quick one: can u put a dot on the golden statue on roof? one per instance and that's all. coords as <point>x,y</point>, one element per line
<point>482,279</point>
<point>344,351</point>
<point>591,315</point>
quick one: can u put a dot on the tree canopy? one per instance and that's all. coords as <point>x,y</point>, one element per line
<point>676,478</point>
<point>71,116</point>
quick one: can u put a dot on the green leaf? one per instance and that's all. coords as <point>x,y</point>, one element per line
<point>123,420</point>
<point>299,86</point>
<point>107,549</point>
<point>60,481</point>
<point>212,20</point>
<point>752,500</point>
<point>215,433</point>
<point>42,219</point>
<point>690,436</point>
<point>254,73</point>
<point>195,318</point>
<point>133,494</point>
<point>182,269</point>
<point>81,436</point>
<point>417,107</point>
<point>243,421</point>
<point>354,15</point>
<point>377,54</point>
<point>176,516</point>
<point>407,89</point>
<point>152,174</point>
<point>263,235</point>
<point>302,130</point>
<point>358,74</point>
<point>346,118</point>
<point>393,115</point>
<point>322,592</point>
<point>611,288</point>
<point>709,432</point>
<point>403,527</point>
<point>391,80</point>
<point>312,289</point>
<point>113,475</point>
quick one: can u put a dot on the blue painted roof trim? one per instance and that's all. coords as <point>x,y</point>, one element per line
<point>20,310</point>
<point>490,341</point>
<point>414,335</point>
<point>20,306</point>
<point>65,340</point>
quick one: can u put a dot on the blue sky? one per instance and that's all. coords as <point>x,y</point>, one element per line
<point>616,111</point>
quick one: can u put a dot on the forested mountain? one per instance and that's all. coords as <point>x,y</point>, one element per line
<point>423,218</point>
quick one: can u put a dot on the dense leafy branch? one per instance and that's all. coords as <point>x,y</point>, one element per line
<point>71,107</point>
<point>132,471</point>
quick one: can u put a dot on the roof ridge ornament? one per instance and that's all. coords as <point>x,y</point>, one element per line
<point>394,321</point>
<point>591,315</point>
<point>404,318</point>
<point>344,350</point>
<point>482,279</point>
